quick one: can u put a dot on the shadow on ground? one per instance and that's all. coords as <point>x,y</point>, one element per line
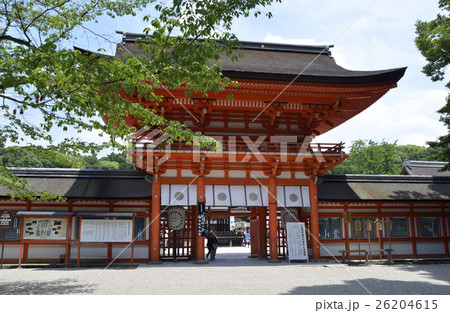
<point>56,287</point>
<point>375,286</point>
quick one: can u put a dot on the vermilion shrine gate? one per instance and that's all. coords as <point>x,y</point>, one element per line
<point>269,163</point>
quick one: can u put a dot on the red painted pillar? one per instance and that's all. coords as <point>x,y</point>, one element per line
<point>155,219</point>
<point>263,232</point>
<point>200,240</point>
<point>314,220</point>
<point>273,218</point>
<point>254,231</point>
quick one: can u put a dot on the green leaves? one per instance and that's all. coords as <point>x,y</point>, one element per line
<point>433,41</point>
<point>41,75</point>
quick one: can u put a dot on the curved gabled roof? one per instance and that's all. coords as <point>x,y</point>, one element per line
<point>285,62</point>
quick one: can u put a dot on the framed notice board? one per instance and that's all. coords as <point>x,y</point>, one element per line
<point>106,230</point>
<point>296,241</point>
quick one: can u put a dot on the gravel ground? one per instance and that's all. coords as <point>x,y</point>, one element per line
<point>232,273</point>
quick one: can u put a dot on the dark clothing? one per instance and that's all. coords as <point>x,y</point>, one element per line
<point>212,246</point>
<point>211,241</point>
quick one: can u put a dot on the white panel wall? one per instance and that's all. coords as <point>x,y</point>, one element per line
<point>430,247</point>
<point>90,252</point>
<point>331,249</point>
<point>403,247</point>
<point>123,250</point>
<point>45,251</point>
<point>11,251</point>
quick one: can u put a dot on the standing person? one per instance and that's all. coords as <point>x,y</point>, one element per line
<point>212,245</point>
<point>247,238</point>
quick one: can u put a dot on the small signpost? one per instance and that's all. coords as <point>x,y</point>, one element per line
<point>369,229</point>
<point>389,227</point>
<point>347,219</point>
<point>358,228</point>
<point>5,223</point>
<point>379,227</point>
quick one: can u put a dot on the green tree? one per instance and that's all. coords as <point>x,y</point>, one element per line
<point>371,157</point>
<point>41,73</point>
<point>124,162</point>
<point>433,41</point>
<point>108,165</point>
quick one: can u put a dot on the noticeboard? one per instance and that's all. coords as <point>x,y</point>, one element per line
<point>36,228</point>
<point>296,241</point>
<point>5,220</point>
<point>106,231</point>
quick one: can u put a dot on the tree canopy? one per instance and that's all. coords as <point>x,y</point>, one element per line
<point>433,41</point>
<point>382,158</point>
<point>41,74</point>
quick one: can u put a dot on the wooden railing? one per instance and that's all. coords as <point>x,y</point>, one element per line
<point>240,146</point>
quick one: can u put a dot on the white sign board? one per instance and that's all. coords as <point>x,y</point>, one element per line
<point>106,231</point>
<point>296,241</point>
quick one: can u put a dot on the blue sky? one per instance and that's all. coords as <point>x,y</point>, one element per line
<point>381,37</point>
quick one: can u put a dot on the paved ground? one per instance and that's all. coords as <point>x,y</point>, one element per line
<point>232,273</point>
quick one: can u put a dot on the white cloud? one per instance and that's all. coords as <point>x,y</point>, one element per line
<point>409,117</point>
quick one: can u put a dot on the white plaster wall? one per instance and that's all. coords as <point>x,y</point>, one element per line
<point>333,248</point>
<point>187,173</point>
<point>236,174</point>
<point>404,247</point>
<point>86,209</point>
<point>123,250</point>
<point>217,174</point>
<point>11,251</point>
<point>426,210</point>
<point>300,175</point>
<point>365,245</point>
<point>284,175</point>
<point>51,209</point>
<point>257,174</point>
<point>170,173</point>
<point>90,252</point>
<point>430,247</point>
<point>45,251</point>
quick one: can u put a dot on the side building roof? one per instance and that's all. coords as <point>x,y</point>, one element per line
<point>87,183</point>
<point>384,188</point>
<point>430,168</point>
<point>130,184</point>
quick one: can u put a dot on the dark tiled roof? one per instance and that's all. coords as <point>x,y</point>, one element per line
<point>384,187</point>
<point>87,183</point>
<point>424,168</point>
<point>269,61</point>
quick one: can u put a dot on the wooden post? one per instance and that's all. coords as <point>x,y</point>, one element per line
<point>3,246</point>
<point>254,247</point>
<point>132,240</point>
<point>263,232</point>
<point>314,220</point>
<point>22,221</point>
<point>273,218</point>
<point>155,219</point>
<point>200,240</point>
<point>413,229</point>
<point>79,241</point>
<point>444,229</point>
<point>346,232</point>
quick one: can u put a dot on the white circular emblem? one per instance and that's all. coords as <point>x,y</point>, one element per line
<point>253,196</point>
<point>293,197</point>
<point>222,196</point>
<point>175,218</point>
<point>179,196</point>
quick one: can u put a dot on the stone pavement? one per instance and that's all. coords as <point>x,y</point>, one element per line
<point>232,273</point>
